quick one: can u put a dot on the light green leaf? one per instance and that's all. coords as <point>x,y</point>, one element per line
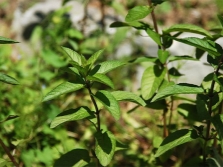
<point>185,57</point>
<point>128,96</point>
<point>182,88</point>
<point>188,28</point>
<point>73,55</point>
<point>63,88</point>
<point>7,79</point>
<point>107,66</point>
<point>163,55</point>
<point>144,59</point>
<point>109,102</point>
<point>202,44</point>
<point>75,158</point>
<point>151,80</point>
<point>105,147</point>
<point>102,78</point>
<point>175,139</point>
<point>155,36</point>
<point>71,115</point>
<point>94,57</point>
<point>4,40</point>
<point>137,13</point>
<point>217,120</point>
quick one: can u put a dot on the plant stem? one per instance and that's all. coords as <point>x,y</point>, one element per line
<point>8,153</point>
<point>210,94</point>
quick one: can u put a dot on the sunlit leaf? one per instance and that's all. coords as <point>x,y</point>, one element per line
<point>144,59</point>
<point>175,139</point>
<point>137,13</point>
<point>102,78</point>
<point>182,88</point>
<point>71,115</point>
<point>4,40</point>
<point>105,147</point>
<point>75,158</point>
<point>163,55</point>
<point>109,102</point>
<point>188,28</point>
<point>155,36</point>
<point>7,79</point>
<point>128,96</point>
<point>94,57</point>
<point>151,80</point>
<point>73,55</point>
<point>63,88</point>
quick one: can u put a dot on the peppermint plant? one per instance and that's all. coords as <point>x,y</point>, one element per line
<point>87,72</point>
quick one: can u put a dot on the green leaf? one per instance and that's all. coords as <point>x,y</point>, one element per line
<point>107,66</point>
<point>182,88</point>
<point>203,44</point>
<point>157,2</point>
<point>213,162</point>
<point>71,115</point>
<point>109,102</point>
<point>144,59</point>
<point>94,57</point>
<point>137,13</point>
<point>188,28</point>
<point>10,117</point>
<point>201,105</point>
<point>163,55</point>
<point>7,79</point>
<point>128,96</point>
<point>75,57</point>
<point>174,72</point>
<point>155,36</point>
<point>4,40</point>
<point>217,120</point>
<point>220,18</point>
<point>136,24</point>
<point>102,78</point>
<point>75,158</point>
<point>176,58</point>
<point>105,147</point>
<point>151,80</point>
<point>175,139</point>
<point>188,111</point>
<point>63,88</point>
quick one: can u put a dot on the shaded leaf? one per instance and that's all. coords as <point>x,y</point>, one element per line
<point>137,13</point>
<point>136,24</point>
<point>220,18</point>
<point>217,120</point>
<point>174,72</point>
<point>176,58</point>
<point>10,117</point>
<point>182,88</point>
<point>7,79</point>
<point>4,40</point>
<point>109,102</point>
<point>175,139</point>
<point>151,80</point>
<point>213,162</point>
<point>144,59</point>
<point>188,28</point>
<point>75,57</point>
<point>201,105</point>
<point>105,147</point>
<point>72,158</point>
<point>128,96</point>
<point>63,88</point>
<point>107,66</point>
<point>102,78</point>
<point>71,115</point>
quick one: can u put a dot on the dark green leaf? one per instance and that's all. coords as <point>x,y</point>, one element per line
<point>7,79</point>
<point>166,40</point>
<point>107,66</point>
<point>144,59</point>
<point>75,57</point>
<point>71,115</point>
<point>136,24</point>
<point>105,147</point>
<point>4,40</point>
<point>212,162</point>
<point>188,28</point>
<point>174,72</point>
<point>75,158</point>
<point>175,139</point>
<point>176,58</point>
<point>137,13</point>
<point>128,96</point>
<point>203,44</point>
<point>63,88</point>
<point>102,78</point>
<point>220,18</point>
<point>202,110</point>
<point>10,117</point>
<point>155,36</point>
<point>109,102</point>
<point>188,111</point>
<point>151,80</point>
<point>217,120</point>
<point>182,88</point>
<point>157,2</point>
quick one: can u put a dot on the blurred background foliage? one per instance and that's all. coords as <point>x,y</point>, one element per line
<point>36,66</point>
